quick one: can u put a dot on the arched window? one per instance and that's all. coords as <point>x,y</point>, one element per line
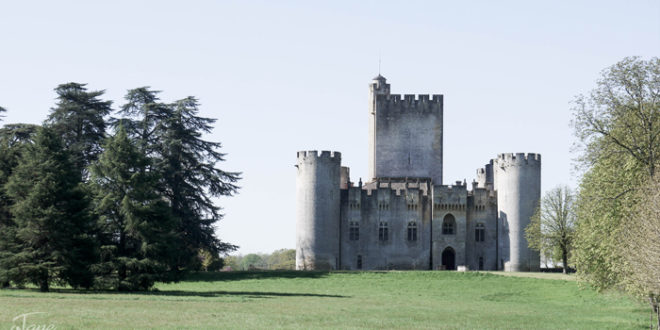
<point>383,231</point>
<point>412,231</point>
<point>354,231</point>
<point>480,232</point>
<point>448,225</point>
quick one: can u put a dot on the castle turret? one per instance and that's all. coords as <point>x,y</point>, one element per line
<point>485,176</point>
<point>318,197</point>
<point>518,185</point>
<point>378,86</point>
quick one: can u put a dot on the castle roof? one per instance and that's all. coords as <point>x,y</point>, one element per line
<point>379,77</point>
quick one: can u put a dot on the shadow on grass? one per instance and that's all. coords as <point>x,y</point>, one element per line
<point>252,294</point>
<point>183,293</point>
<point>251,275</point>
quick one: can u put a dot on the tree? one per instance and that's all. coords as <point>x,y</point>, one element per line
<point>209,261</point>
<point>641,237</point>
<point>171,137</point>
<point>253,261</point>
<point>143,117</point>
<point>1,111</point>
<point>79,118</point>
<point>187,164</point>
<point>282,259</point>
<point>13,141</point>
<point>553,224</point>
<point>622,115</point>
<point>618,127</point>
<point>50,213</point>
<point>136,226</point>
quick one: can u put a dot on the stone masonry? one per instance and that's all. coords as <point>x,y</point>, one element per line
<point>404,217</point>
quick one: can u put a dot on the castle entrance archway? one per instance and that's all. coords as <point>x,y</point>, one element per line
<point>449,259</point>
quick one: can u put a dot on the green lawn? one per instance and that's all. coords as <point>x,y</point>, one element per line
<point>419,299</point>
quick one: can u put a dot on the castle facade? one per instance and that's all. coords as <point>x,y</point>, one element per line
<point>404,217</point>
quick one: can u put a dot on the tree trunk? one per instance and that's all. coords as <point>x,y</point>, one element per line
<point>655,312</point>
<point>564,260</point>
<point>43,285</point>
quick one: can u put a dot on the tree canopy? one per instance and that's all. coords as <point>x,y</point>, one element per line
<point>553,225</point>
<point>111,203</point>
<point>618,129</point>
<point>78,118</point>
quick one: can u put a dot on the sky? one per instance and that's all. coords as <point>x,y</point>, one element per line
<point>284,76</point>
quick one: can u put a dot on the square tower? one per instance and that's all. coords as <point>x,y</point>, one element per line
<point>405,134</point>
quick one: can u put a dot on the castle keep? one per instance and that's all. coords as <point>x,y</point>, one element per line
<point>404,217</point>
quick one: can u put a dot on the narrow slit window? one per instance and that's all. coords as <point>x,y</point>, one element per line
<point>412,231</point>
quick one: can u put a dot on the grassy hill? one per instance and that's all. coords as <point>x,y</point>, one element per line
<point>421,299</point>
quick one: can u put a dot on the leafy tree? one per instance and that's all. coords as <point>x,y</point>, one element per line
<point>136,227</point>
<point>50,213</point>
<point>618,126</point>
<point>210,261</point>
<point>253,261</point>
<point>233,262</point>
<point>622,115</point>
<point>282,259</point>
<point>190,178</point>
<point>641,237</point>
<point>79,118</point>
<point>13,139</point>
<point>553,224</point>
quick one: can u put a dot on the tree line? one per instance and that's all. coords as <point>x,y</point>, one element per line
<point>282,259</point>
<point>609,230</point>
<point>103,199</point>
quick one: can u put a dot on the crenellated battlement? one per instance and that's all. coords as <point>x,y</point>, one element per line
<point>410,102</point>
<point>313,154</point>
<point>518,159</point>
<point>450,197</point>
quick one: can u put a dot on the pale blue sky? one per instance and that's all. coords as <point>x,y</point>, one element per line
<point>288,76</point>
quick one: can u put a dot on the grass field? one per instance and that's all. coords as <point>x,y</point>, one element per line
<point>333,300</point>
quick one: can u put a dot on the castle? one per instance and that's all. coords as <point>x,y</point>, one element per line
<point>405,217</point>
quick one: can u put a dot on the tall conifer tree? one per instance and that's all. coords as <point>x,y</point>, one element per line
<point>50,212</point>
<point>191,178</point>
<point>171,136</point>
<point>13,139</point>
<point>79,118</point>
<point>137,231</point>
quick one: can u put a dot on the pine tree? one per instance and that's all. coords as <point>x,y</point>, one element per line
<point>137,230</point>
<point>171,137</point>
<point>51,216</point>
<point>191,179</point>
<point>13,139</point>
<point>78,118</point>
<point>143,117</point>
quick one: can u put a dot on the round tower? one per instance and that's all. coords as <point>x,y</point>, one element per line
<point>518,185</point>
<point>317,218</point>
